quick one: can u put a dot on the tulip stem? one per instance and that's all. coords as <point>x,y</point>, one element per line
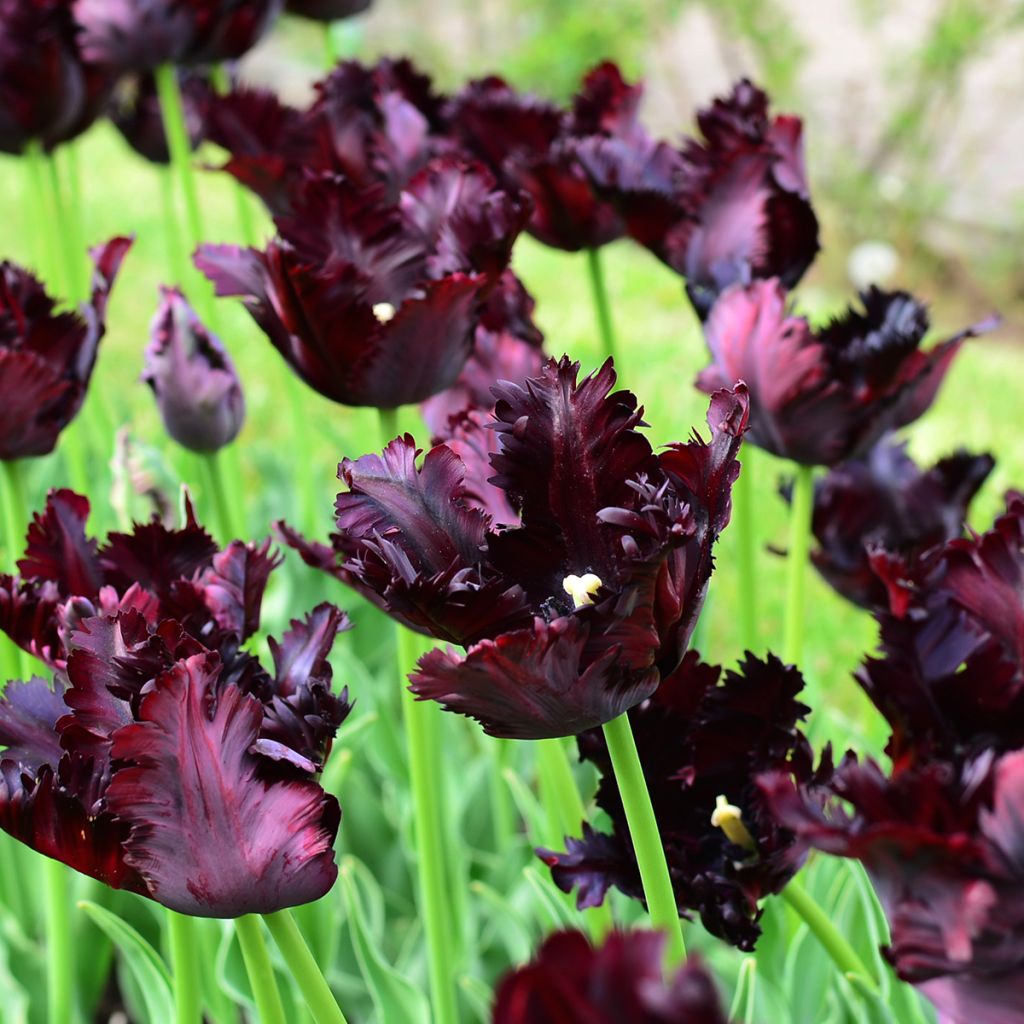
<point>60,960</point>
<point>41,215</point>
<point>743,514</point>
<point>643,828</point>
<point>66,230</point>
<point>802,506</point>
<point>502,811</point>
<point>838,948</point>
<point>307,975</point>
<point>222,85</point>
<point>260,970</point>
<point>601,305</point>
<point>188,1002</point>
<point>434,899</point>
<point>217,497</point>
<point>15,513</point>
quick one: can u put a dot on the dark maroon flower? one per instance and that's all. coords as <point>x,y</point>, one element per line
<point>569,614</point>
<point>821,397</point>
<point>134,110</point>
<point>882,512</point>
<point>950,680</point>
<point>621,982</point>
<point>326,10</point>
<point>155,766</point>
<point>532,144</point>
<point>729,208</point>
<point>161,573</point>
<point>506,346</point>
<point>372,302</point>
<point>944,846</point>
<point>376,125</point>
<point>702,745</point>
<point>140,35</point>
<point>196,387</point>
<point>42,82</point>
<point>46,357</point>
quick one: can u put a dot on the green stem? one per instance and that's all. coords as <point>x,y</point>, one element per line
<point>74,209</point>
<point>217,497</point>
<point>63,233</point>
<point>305,972</point>
<point>15,515</point>
<point>746,538</point>
<point>188,1002</point>
<point>40,214</point>
<point>802,505</point>
<point>601,305</point>
<point>643,828</point>
<point>222,84</point>
<point>434,900</point>
<point>330,51</point>
<point>60,959</point>
<point>502,811</point>
<point>842,953</point>
<point>260,970</point>
<point>172,234</point>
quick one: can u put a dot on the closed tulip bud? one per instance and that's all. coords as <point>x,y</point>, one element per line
<point>196,387</point>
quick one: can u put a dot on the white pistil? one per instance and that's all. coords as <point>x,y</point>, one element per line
<point>729,818</point>
<point>582,588</point>
<point>384,312</point>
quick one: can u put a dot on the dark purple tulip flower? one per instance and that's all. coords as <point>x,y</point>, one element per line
<point>569,614</point>
<point>373,302</point>
<point>728,208</point>
<point>950,680</point>
<point>157,766</point>
<point>702,744</point>
<point>326,10</point>
<point>822,397</point>
<point>46,357</point>
<point>943,843</point>
<point>134,111</point>
<point>376,125</point>
<point>532,144</point>
<point>620,982</point>
<point>41,83</point>
<point>180,574</point>
<point>882,515</point>
<point>196,387</point>
<point>140,35</point>
<point>506,346</point>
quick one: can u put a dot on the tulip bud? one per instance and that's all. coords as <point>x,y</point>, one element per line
<point>196,387</point>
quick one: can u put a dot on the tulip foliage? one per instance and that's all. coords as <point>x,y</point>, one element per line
<point>177,735</point>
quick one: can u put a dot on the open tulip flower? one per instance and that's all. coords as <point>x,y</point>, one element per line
<point>877,517</point>
<point>950,680</point>
<point>943,843</point>
<point>622,980</point>
<point>702,744</point>
<point>191,374</point>
<point>506,346</point>
<point>165,759</point>
<point>377,125</point>
<point>140,35</point>
<point>728,208</point>
<point>570,615</point>
<point>373,302</point>
<point>822,397</point>
<point>46,357</point>
<point>531,144</point>
<point>65,576</point>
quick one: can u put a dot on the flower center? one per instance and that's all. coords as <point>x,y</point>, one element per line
<point>384,312</point>
<point>582,588</point>
<point>729,818</point>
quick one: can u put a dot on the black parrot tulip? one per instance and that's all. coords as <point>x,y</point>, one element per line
<point>570,614</point>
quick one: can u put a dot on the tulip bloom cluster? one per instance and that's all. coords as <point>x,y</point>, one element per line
<point>164,759</point>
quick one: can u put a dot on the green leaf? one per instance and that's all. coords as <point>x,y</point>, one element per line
<point>395,998</point>
<point>146,965</point>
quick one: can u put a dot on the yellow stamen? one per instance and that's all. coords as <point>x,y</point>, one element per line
<point>582,588</point>
<point>729,818</point>
<point>384,312</point>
